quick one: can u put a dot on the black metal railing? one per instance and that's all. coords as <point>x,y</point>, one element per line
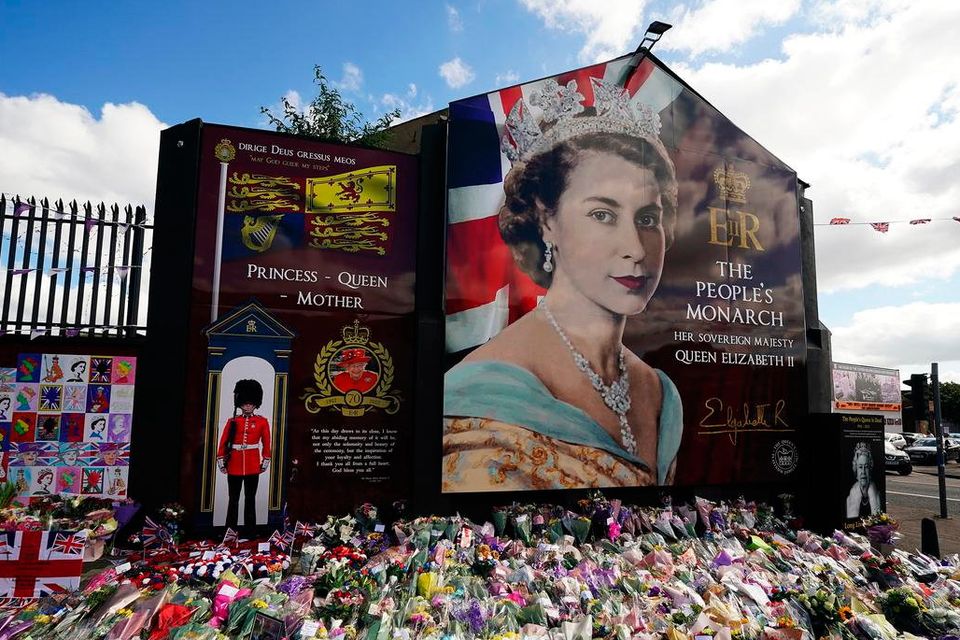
<point>73,269</point>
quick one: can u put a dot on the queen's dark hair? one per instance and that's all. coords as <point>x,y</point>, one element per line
<point>533,189</point>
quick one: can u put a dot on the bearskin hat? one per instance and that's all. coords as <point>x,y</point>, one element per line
<point>247,391</point>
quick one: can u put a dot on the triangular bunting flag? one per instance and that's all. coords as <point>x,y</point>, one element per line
<point>920,221</point>
<point>882,227</point>
<point>20,209</point>
<point>839,220</point>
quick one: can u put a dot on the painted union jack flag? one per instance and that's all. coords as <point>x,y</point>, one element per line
<point>34,564</point>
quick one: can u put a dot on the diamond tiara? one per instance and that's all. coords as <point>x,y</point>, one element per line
<point>562,117</point>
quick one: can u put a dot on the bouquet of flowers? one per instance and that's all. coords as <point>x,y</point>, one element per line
<point>171,516</point>
<point>338,531</point>
<point>881,529</point>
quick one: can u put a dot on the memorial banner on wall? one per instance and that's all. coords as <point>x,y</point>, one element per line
<point>65,424</point>
<point>872,390</point>
<point>623,290</point>
<point>306,314</point>
<point>863,466</point>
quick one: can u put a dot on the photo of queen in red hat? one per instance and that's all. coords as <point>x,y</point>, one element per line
<point>354,377</point>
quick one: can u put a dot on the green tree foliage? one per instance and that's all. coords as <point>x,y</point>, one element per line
<point>330,117</point>
<point>950,401</point>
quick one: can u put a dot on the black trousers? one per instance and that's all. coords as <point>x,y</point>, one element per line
<point>249,484</point>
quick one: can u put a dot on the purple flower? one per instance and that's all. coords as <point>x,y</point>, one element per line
<point>472,615</point>
<point>294,585</point>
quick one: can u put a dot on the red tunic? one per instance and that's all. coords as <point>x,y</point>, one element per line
<point>249,432</point>
<point>343,382</point>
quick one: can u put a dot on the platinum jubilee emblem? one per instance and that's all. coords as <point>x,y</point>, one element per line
<point>353,375</point>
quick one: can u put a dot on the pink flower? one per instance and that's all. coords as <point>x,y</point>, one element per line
<point>613,530</point>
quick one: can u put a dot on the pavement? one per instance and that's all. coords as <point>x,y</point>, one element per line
<point>911,515</point>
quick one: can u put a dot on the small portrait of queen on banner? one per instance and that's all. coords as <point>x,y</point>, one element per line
<point>555,400</point>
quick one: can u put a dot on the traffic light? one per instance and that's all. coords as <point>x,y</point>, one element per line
<point>918,393</point>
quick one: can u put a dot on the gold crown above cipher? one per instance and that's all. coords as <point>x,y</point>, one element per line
<point>732,184</point>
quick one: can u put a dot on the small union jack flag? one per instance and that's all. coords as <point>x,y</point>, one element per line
<point>921,221</point>
<point>69,544</point>
<point>839,220</point>
<point>304,530</point>
<point>882,227</point>
<point>230,537</point>
<point>278,540</point>
<point>152,533</point>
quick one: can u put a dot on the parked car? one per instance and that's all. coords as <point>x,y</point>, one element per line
<point>896,460</point>
<point>911,437</point>
<point>924,451</point>
<point>896,439</point>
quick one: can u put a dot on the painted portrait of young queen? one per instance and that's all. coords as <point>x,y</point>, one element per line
<point>555,400</point>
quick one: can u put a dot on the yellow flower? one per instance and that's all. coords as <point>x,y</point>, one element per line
<point>42,619</point>
<point>259,604</point>
<point>126,613</point>
<point>785,622</point>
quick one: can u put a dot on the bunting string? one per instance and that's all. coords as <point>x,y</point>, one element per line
<point>122,269</point>
<point>881,227</point>
<point>22,207</point>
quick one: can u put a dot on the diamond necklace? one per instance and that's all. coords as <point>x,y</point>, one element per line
<point>616,395</point>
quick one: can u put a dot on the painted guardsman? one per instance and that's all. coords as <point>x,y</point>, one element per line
<point>244,452</point>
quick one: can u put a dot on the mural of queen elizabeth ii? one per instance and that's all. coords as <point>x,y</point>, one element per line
<point>556,400</point>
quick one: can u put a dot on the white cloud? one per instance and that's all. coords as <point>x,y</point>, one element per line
<point>454,21</point>
<point>408,110</point>
<point>611,28</point>
<point>55,149</point>
<point>352,78</point>
<point>411,90</point>
<point>456,73</point>
<point>865,111</point>
<point>507,78</point>
<point>719,25</point>
<point>918,332</point>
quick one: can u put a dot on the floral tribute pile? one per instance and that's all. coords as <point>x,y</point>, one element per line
<point>602,570</point>
<point>98,516</point>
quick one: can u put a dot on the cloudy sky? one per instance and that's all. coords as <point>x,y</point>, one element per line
<point>860,97</point>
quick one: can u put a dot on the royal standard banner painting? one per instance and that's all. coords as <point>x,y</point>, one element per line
<point>302,326</point>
